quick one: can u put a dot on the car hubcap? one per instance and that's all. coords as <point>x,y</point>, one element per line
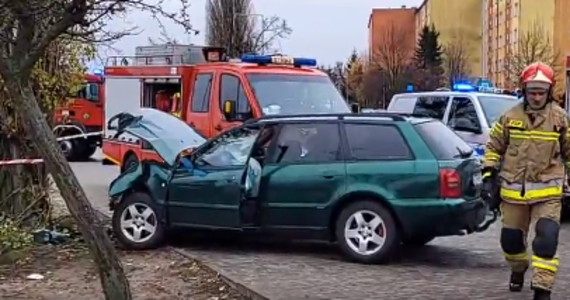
<point>66,147</point>
<point>365,232</point>
<point>138,222</point>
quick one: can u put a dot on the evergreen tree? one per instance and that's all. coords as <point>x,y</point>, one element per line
<point>428,51</point>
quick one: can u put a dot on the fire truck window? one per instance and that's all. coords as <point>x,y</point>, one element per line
<point>232,89</point>
<point>201,93</point>
<point>92,92</point>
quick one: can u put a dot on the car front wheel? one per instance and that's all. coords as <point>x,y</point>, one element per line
<point>136,224</point>
<point>367,233</point>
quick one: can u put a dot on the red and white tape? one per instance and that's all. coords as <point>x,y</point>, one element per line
<point>21,162</point>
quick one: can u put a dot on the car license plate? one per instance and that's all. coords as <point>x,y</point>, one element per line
<point>477,179</point>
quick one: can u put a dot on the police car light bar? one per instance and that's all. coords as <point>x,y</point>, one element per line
<point>279,60</point>
<point>463,87</point>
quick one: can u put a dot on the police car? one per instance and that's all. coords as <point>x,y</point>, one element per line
<point>464,109</point>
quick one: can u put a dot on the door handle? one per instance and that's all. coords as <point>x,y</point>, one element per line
<point>328,175</point>
<point>218,127</point>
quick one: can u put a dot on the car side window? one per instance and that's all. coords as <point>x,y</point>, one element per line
<point>232,89</point>
<point>431,106</point>
<point>463,115</point>
<point>403,104</point>
<point>230,149</point>
<point>376,142</point>
<point>201,95</point>
<point>308,143</point>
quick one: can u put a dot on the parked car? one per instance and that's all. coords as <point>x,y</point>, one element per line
<point>469,114</point>
<point>370,182</point>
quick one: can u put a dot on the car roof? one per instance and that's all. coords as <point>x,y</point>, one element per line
<point>451,94</point>
<point>376,116</point>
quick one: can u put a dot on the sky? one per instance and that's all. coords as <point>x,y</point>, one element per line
<point>327,30</point>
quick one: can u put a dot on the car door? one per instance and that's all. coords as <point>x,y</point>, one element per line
<point>210,194</point>
<point>380,154</point>
<point>303,175</point>
<point>464,120</point>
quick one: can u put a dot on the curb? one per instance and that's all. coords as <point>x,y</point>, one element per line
<point>241,288</point>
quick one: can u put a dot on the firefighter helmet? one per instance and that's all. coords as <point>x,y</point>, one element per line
<point>537,75</point>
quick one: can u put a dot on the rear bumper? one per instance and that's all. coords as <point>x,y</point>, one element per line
<point>445,217</point>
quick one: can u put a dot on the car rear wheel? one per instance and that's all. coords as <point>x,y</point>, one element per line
<point>367,233</point>
<point>136,224</point>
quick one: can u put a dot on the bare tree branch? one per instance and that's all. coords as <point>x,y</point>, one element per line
<point>233,25</point>
<point>393,55</point>
<point>456,59</point>
<point>534,45</point>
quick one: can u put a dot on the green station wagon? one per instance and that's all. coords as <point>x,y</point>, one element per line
<point>368,182</point>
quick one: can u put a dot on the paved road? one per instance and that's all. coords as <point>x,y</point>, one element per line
<point>450,268</point>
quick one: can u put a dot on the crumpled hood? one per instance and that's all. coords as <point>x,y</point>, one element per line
<point>168,135</point>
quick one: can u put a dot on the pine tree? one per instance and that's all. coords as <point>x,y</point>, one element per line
<point>428,50</point>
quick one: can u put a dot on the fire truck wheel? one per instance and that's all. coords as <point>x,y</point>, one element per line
<point>69,149</point>
<point>130,161</point>
<point>88,151</point>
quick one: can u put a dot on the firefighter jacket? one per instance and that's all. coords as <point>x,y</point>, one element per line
<point>532,146</point>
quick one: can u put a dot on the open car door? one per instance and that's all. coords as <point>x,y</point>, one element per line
<point>208,191</point>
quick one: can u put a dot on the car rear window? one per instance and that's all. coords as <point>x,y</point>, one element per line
<point>442,141</point>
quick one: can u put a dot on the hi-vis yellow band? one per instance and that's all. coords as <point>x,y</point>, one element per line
<point>534,135</point>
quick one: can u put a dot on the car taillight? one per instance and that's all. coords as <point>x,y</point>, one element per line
<point>449,183</point>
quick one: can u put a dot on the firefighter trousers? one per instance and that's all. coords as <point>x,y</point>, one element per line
<point>544,219</point>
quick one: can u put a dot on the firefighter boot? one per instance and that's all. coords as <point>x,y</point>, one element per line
<point>517,281</point>
<point>540,294</point>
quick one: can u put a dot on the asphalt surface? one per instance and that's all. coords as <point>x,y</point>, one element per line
<point>469,267</point>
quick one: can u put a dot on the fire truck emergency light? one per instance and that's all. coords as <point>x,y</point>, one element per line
<point>279,60</point>
<point>97,72</point>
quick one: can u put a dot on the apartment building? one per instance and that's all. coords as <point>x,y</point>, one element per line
<point>389,25</point>
<point>509,23</point>
<point>459,23</point>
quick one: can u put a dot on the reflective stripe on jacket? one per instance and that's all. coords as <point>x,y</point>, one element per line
<point>531,145</point>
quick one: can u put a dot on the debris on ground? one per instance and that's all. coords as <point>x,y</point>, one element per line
<point>66,272</point>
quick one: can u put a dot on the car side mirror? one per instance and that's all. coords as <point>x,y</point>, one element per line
<point>229,110</point>
<point>355,108</point>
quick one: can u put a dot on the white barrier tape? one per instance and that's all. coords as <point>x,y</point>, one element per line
<point>21,162</point>
<point>77,136</point>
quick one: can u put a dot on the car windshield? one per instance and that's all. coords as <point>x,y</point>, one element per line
<point>493,106</point>
<point>296,94</point>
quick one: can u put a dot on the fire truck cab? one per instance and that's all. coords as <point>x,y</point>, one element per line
<point>209,92</point>
<point>79,122</point>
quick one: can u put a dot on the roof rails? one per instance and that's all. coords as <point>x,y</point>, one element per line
<point>395,116</point>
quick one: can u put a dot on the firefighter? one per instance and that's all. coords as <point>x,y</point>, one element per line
<point>176,105</point>
<point>524,157</point>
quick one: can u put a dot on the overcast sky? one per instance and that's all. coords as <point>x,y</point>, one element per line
<point>324,29</point>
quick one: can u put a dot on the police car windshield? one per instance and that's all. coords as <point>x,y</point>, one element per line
<point>493,106</point>
<point>296,94</point>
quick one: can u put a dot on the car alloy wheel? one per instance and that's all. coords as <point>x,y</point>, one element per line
<point>365,232</point>
<point>138,223</point>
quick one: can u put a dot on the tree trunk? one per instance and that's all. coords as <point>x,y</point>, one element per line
<point>113,280</point>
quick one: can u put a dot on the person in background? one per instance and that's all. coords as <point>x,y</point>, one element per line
<point>176,105</point>
<point>162,101</point>
<point>524,157</point>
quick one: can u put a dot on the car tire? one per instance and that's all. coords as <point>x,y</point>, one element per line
<point>129,162</point>
<point>418,241</point>
<point>389,234</point>
<point>126,236</point>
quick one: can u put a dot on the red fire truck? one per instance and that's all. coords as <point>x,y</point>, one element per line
<point>79,122</point>
<point>209,92</point>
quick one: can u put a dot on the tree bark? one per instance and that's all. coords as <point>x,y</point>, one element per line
<point>113,279</point>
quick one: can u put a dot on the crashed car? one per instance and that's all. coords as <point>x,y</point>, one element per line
<point>370,182</point>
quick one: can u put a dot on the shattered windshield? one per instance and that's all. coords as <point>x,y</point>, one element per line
<point>231,149</point>
<point>296,94</point>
